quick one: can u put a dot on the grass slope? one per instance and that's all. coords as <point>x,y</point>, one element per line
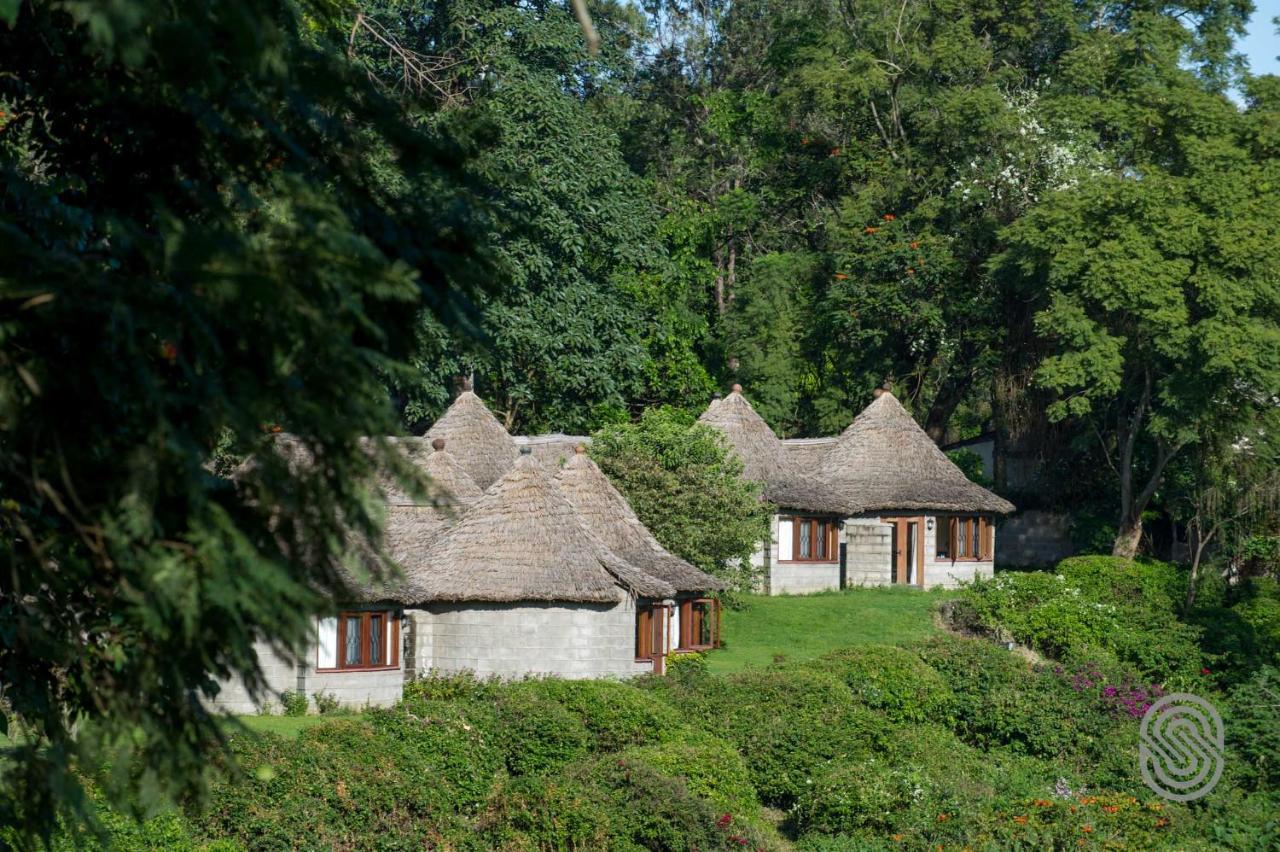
<point>801,627</point>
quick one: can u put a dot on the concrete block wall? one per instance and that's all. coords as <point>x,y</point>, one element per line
<point>517,639</point>
<point>869,552</point>
<point>356,690</point>
<point>281,674</point>
<point>800,578</point>
<point>1034,538</point>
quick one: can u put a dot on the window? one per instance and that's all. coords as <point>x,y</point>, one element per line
<point>699,624</point>
<point>809,540</point>
<point>966,538</point>
<point>359,640</point>
<point>650,632</point>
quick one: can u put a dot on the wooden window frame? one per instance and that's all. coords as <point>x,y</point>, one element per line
<point>650,640</point>
<point>819,527</point>
<point>390,653</point>
<point>687,622</point>
<point>981,530</point>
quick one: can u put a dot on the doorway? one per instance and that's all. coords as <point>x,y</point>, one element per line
<point>908,551</point>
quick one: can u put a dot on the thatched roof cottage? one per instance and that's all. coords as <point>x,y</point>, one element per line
<point>879,504</point>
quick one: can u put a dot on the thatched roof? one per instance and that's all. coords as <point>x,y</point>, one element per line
<point>764,459</point>
<point>523,541</point>
<point>751,438</point>
<point>482,445</point>
<point>885,461</point>
<point>606,513</point>
<point>806,454</point>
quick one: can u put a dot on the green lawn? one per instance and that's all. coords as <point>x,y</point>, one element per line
<point>802,627</point>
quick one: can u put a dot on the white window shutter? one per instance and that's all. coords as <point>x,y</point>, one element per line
<point>327,642</point>
<point>784,540</point>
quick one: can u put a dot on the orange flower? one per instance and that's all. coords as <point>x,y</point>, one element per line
<point>1111,808</point>
<point>168,351</point>
<point>1020,820</point>
<point>1162,822</point>
<point>1043,803</point>
<point>943,817</point>
<point>835,152</point>
<point>840,276</point>
<point>1081,842</point>
<point>804,141</point>
<point>897,838</point>
<point>1087,829</point>
<point>869,230</point>
<point>888,217</point>
<point>1073,809</point>
<point>915,244</point>
<point>910,271</point>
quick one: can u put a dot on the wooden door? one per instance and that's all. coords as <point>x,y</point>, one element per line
<point>908,550</point>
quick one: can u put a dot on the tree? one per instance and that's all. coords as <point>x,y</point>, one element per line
<point>201,245</point>
<point>687,488</point>
<point>586,326</point>
<point>1163,305</point>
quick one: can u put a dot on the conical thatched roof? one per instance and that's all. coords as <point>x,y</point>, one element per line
<point>411,528</point>
<point>885,461</point>
<point>763,457</point>
<point>522,541</point>
<point>748,434</point>
<point>606,513</point>
<point>483,447</point>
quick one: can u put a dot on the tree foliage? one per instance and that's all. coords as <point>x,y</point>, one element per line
<point>687,487</point>
<point>201,246</point>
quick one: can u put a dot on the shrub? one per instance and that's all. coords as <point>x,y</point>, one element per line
<point>649,809</point>
<point>972,669</point>
<point>1094,605</point>
<point>1253,727</point>
<point>464,686</point>
<point>340,784</point>
<point>326,703</point>
<point>687,666</point>
<point>538,734</point>
<point>785,723</point>
<point>711,769</point>
<point>544,813</point>
<point>294,703</point>
<point>616,715</point>
<point>890,679</point>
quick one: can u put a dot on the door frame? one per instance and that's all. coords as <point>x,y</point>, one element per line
<point>898,551</point>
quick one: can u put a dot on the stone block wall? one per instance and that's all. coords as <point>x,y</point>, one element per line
<point>1034,538</point>
<point>281,674</point>
<point>869,552</point>
<point>516,639</point>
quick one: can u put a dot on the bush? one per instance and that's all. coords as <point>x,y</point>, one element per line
<point>711,769</point>
<point>538,734</point>
<point>544,813</point>
<point>649,809</point>
<point>1095,606</point>
<point>972,669</point>
<point>294,703</point>
<point>464,686</point>
<point>326,703</point>
<point>340,784</point>
<point>785,723</point>
<point>1253,727</point>
<point>890,679</point>
<point>616,715</point>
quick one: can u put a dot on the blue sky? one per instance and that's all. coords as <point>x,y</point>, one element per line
<point>1262,44</point>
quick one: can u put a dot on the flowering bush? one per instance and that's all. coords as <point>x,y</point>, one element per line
<point>890,679</point>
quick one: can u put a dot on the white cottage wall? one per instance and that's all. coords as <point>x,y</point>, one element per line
<point>281,675</point>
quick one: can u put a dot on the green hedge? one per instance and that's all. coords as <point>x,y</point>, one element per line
<point>891,680</point>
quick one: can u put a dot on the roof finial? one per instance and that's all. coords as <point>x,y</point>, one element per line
<point>465,384</point>
<point>526,450</point>
<point>716,395</point>
<point>580,449</point>
<point>437,444</point>
<point>737,388</point>
<point>877,393</point>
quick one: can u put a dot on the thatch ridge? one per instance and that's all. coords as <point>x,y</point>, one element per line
<point>523,541</point>
<point>483,447</point>
<point>885,461</point>
<point>607,514</point>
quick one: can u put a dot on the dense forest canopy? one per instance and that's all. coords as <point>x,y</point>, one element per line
<point>1056,221</point>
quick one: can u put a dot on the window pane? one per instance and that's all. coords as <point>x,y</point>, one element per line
<point>820,546</point>
<point>375,640</point>
<point>351,653</point>
<point>643,633</point>
<point>806,540</point>
<point>703,621</point>
<point>962,535</point>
